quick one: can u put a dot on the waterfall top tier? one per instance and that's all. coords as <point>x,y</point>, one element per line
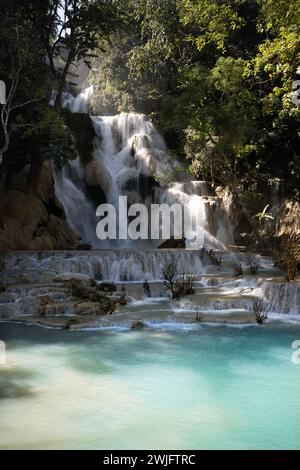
<point>131,159</point>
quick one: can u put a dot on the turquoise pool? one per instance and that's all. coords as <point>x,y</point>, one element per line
<point>213,387</point>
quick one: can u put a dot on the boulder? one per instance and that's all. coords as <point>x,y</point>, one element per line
<point>96,175</point>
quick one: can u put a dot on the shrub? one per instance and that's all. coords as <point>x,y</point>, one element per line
<point>260,311</point>
<point>292,268</point>
<point>253,266</point>
<point>216,260</point>
<point>287,256</point>
<point>183,286</point>
<point>178,286</point>
<point>169,273</point>
<point>237,268</point>
<point>77,288</point>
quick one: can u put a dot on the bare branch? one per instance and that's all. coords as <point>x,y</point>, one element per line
<point>24,104</point>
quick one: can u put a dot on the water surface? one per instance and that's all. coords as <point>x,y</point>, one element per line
<point>213,387</point>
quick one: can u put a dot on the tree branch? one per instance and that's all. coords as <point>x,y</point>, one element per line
<point>25,103</point>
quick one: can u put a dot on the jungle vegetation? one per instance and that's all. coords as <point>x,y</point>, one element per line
<point>218,78</point>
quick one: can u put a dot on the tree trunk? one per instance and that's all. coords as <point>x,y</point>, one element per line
<point>57,103</point>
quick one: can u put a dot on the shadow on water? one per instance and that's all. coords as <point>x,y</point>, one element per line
<point>13,383</point>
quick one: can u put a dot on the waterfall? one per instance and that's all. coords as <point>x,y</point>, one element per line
<point>130,158</point>
<point>113,265</point>
<point>280,297</point>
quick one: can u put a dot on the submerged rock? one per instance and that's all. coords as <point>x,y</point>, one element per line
<point>138,324</point>
<point>70,322</point>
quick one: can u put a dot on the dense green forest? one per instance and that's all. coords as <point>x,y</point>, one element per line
<point>218,78</point>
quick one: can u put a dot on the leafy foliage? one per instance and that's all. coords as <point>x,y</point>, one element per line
<point>211,21</point>
<point>38,43</point>
<point>217,77</point>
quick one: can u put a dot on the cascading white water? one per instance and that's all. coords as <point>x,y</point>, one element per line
<point>70,191</point>
<point>215,290</point>
<point>131,159</point>
<point>283,297</point>
<point>113,265</point>
<point>79,103</point>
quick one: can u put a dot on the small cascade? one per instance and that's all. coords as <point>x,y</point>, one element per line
<point>131,159</point>
<point>70,189</point>
<point>196,195</point>
<point>133,156</point>
<point>79,103</point>
<point>197,188</point>
<point>281,297</point>
<point>38,287</point>
<point>117,265</point>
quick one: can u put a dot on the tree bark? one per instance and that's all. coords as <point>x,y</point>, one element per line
<point>57,103</point>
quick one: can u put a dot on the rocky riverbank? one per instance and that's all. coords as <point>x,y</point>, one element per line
<point>71,290</point>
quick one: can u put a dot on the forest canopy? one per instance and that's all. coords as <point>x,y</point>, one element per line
<point>218,78</point>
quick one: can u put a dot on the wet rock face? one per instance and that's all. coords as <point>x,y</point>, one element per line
<point>83,131</point>
<point>142,184</point>
<point>97,182</point>
<point>286,213</point>
<point>36,220</point>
